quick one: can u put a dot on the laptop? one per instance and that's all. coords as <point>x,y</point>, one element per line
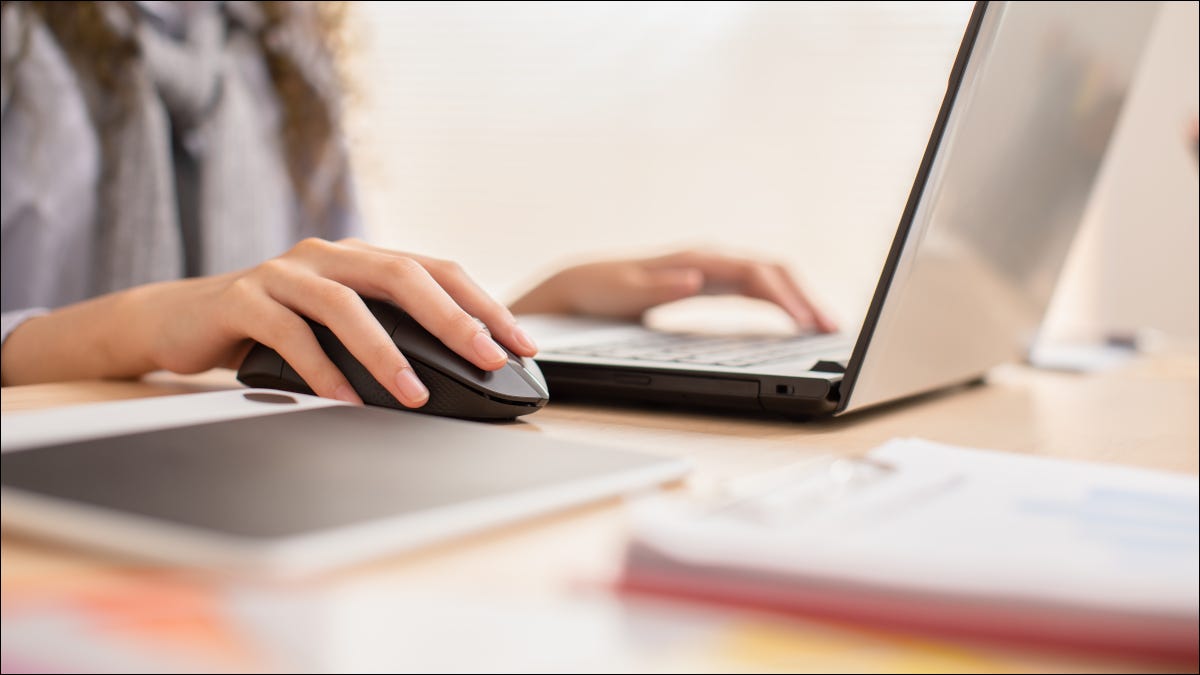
<point>1030,108</point>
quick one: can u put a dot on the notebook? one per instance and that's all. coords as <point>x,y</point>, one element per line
<point>956,541</point>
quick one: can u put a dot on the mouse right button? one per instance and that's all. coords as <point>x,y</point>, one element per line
<point>532,374</point>
<point>510,382</point>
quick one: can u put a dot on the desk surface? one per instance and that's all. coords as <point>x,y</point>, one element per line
<point>534,595</point>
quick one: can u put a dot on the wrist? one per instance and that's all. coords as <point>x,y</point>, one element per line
<point>174,325</point>
<point>128,332</point>
<point>87,340</point>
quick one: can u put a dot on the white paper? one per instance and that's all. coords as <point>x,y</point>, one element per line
<point>927,517</point>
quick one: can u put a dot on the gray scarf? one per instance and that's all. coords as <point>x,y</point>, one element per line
<point>217,197</point>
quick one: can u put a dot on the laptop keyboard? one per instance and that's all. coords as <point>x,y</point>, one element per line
<point>732,351</point>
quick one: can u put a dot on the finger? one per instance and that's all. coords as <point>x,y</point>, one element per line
<point>667,285</point>
<point>407,283</point>
<point>342,311</point>
<point>476,301</point>
<point>825,323</point>
<point>718,270</point>
<point>749,277</point>
<point>279,328</point>
<point>469,295</point>
<point>767,283</point>
<point>781,289</point>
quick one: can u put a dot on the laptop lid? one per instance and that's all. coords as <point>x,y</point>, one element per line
<point>1030,107</point>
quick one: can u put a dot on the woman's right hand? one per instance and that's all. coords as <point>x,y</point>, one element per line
<point>193,325</point>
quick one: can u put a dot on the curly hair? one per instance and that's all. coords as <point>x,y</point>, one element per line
<point>100,53</point>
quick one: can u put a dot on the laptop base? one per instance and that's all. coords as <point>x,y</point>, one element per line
<point>793,397</point>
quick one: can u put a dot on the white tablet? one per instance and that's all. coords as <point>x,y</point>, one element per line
<point>260,482</point>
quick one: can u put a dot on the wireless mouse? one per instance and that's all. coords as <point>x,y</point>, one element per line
<point>457,388</point>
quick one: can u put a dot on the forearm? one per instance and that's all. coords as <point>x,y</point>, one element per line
<point>105,337</point>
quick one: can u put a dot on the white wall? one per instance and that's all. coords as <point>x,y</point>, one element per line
<point>1147,206</point>
<point>513,136</point>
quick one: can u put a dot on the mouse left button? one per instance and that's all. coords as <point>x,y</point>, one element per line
<point>387,314</point>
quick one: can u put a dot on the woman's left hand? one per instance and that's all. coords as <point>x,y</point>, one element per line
<point>628,288</point>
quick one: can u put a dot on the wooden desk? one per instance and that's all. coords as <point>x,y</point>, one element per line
<point>533,595</point>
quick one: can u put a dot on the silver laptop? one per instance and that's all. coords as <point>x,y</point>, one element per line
<point>1030,107</point>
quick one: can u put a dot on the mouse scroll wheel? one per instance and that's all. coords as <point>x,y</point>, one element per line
<point>482,325</point>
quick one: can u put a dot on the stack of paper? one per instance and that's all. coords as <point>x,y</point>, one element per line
<point>933,537</point>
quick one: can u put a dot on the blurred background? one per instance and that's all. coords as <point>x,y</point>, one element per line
<point>517,137</point>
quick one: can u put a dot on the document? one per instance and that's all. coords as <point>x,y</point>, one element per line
<point>935,537</point>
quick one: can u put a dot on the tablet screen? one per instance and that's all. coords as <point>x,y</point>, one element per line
<point>293,473</point>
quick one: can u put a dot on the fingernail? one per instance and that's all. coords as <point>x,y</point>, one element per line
<point>345,393</point>
<point>415,393</point>
<point>524,340</point>
<point>488,350</point>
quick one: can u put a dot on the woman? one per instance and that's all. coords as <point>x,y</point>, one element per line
<point>155,154</point>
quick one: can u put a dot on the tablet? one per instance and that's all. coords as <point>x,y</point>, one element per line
<point>260,482</point>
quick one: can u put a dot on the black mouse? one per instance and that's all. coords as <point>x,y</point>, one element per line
<point>457,388</point>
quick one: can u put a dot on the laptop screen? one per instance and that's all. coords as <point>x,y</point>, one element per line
<point>1030,108</point>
